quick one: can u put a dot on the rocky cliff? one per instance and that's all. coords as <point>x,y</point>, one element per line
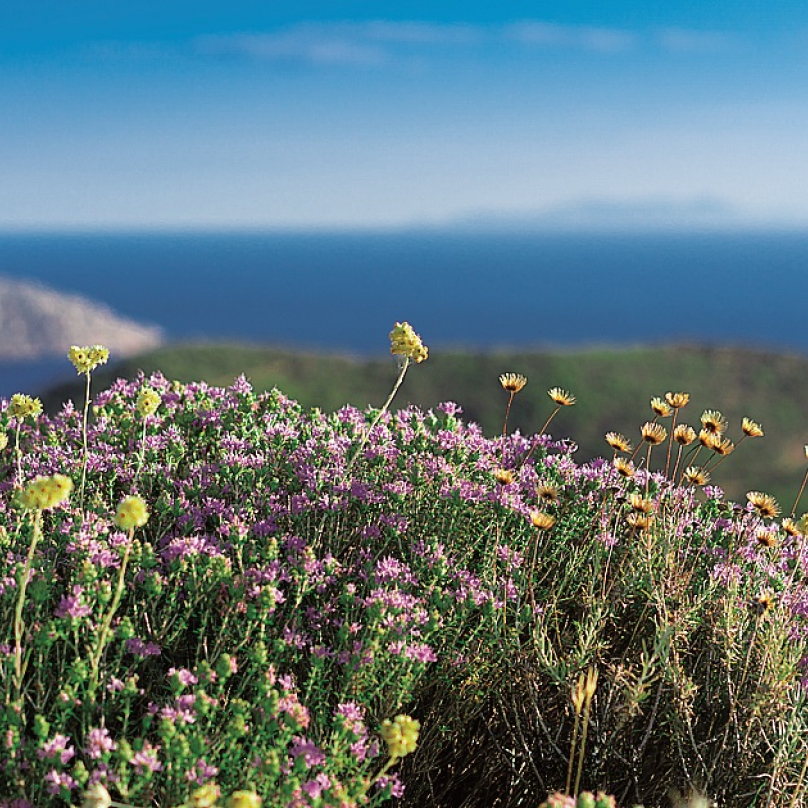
<point>37,322</point>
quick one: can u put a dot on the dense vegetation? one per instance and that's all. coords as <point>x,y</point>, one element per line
<point>613,388</point>
<point>212,595</point>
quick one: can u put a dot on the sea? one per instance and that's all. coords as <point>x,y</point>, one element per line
<point>459,288</point>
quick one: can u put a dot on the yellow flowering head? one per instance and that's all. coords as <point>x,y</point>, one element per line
<point>46,492</point>
<point>3,441</point>
<point>148,401</point>
<point>96,796</point>
<point>405,342</point>
<point>131,513</point>
<point>244,799</point>
<point>204,796</point>
<point>22,406</point>
<point>87,358</point>
<point>400,735</point>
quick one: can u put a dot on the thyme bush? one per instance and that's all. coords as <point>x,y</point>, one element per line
<point>256,602</point>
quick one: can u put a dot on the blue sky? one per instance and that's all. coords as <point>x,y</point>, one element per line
<point>249,114</point>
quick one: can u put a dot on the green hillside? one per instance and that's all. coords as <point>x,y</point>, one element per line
<point>613,388</point>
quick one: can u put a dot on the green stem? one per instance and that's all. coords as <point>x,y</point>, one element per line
<point>22,584</point>
<point>379,415</point>
<point>142,456</point>
<point>18,454</point>
<point>107,621</point>
<point>84,437</point>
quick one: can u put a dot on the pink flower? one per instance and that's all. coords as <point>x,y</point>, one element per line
<point>99,742</point>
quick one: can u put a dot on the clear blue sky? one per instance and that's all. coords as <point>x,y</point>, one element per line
<point>199,114</point>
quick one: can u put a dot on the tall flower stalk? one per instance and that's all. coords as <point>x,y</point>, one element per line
<point>42,493</point>
<point>85,360</point>
<point>20,408</point>
<point>404,342</point>
<point>148,401</point>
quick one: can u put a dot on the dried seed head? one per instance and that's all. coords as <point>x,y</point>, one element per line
<point>561,397</point>
<point>696,475</point>
<point>765,504</point>
<point>660,408</point>
<point>513,382</point>
<point>618,442</point>
<point>624,467</point>
<point>653,433</point>
<point>751,429</point>
<point>677,400</point>
<point>714,422</point>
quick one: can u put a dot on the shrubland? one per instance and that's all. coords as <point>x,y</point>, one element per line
<point>212,596</point>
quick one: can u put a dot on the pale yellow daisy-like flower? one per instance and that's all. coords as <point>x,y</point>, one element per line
<point>714,422</point>
<point>722,446</point>
<point>653,433</point>
<point>542,520</point>
<point>751,429</point>
<point>791,527</point>
<point>660,408</point>
<point>624,467</point>
<point>546,492</point>
<point>639,504</point>
<point>677,400</point>
<point>504,476</point>
<point>618,442</point>
<point>684,435</point>
<point>765,504</point>
<point>640,521</point>
<point>696,475</point>
<point>561,397</point>
<point>513,382</point>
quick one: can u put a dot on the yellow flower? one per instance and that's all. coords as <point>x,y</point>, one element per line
<point>96,796</point>
<point>639,504</point>
<point>87,358</point>
<point>46,492</point>
<point>640,521</point>
<point>3,441</point>
<point>405,342</point>
<point>244,799</point>
<point>722,446</point>
<point>660,407</point>
<point>148,401</point>
<point>653,433</point>
<point>751,429</point>
<point>513,382</point>
<point>714,422</point>
<point>765,504</point>
<point>549,493</point>
<point>542,520</point>
<point>131,513</point>
<point>400,735</point>
<point>791,527</point>
<point>762,603</point>
<point>504,476</point>
<point>618,442</point>
<point>696,476</point>
<point>765,538</point>
<point>684,435</point>
<point>22,406</point>
<point>624,467</point>
<point>677,400</point>
<point>561,397</point>
<point>204,797</point>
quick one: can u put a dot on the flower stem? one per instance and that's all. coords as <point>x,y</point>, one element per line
<point>84,437</point>
<point>22,584</point>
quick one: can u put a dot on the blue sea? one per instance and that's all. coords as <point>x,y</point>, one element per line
<point>458,288</point>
